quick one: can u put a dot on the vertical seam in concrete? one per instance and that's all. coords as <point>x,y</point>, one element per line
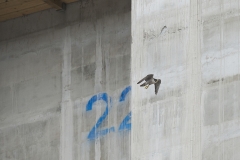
<point>66,150</point>
<point>221,89</point>
<point>238,52</point>
<point>192,134</point>
<point>98,79</point>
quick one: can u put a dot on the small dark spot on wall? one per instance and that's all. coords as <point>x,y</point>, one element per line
<point>163,29</point>
<point>59,108</point>
<point>215,81</point>
<point>89,71</point>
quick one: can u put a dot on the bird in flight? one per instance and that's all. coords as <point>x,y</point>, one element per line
<point>150,80</point>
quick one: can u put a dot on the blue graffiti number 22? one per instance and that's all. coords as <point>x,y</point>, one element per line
<point>95,131</point>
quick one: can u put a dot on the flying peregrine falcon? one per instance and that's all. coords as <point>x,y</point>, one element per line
<point>150,80</point>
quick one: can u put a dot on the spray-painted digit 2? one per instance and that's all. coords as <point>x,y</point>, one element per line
<point>125,125</point>
<point>94,133</point>
<point>124,93</point>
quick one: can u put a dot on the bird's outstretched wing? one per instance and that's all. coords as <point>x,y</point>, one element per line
<point>146,78</point>
<point>157,85</point>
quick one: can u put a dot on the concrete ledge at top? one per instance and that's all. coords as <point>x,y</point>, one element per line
<point>64,7</point>
<point>75,12</point>
<point>57,4</point>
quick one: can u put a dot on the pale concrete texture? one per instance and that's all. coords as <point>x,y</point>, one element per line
<point>64,83</point>
<point>68,82</point>
<point>196,113</point>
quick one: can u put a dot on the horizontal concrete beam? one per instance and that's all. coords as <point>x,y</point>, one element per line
<point>57,4</point>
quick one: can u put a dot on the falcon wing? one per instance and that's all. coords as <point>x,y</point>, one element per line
<point>157,85</point>
<point>150,76</point>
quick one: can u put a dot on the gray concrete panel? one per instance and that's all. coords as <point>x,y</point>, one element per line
<point>50,67</point>
<point>197,58</point>
<point>6,99</point>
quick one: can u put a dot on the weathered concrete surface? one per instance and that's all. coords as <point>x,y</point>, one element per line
<point>51,65</point>
<point>65,82</point>
<point>196,113</point>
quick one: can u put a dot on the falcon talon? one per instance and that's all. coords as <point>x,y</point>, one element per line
<point>150,80</point>
<point>147,86</point>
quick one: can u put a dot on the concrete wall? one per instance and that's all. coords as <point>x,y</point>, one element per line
<point>196,113</point>
<point>65,82</point>
<point>61,72</point>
